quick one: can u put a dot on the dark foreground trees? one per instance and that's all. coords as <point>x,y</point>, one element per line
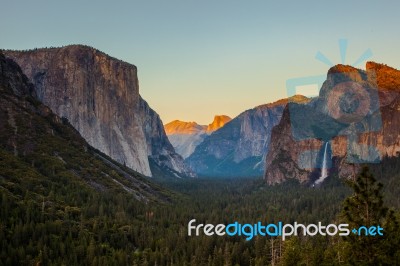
<point>52,222</point>
<point>366,208</point>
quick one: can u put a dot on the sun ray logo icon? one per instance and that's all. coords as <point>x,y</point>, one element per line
<point>343,44</point>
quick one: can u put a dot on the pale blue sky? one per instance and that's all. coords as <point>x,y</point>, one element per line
<point>200,58</point>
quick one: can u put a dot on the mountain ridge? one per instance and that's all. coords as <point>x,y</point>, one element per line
<point>44,148</point>
<point>186,136</point>
<point>238,149</point>
<point>100,97</point>
<point>182,127</point>
<point>365,129</point>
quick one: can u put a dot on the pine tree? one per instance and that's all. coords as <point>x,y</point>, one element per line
<point>366,208</point>
<point>292,254</point>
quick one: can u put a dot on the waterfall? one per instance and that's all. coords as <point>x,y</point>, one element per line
<point>324,168</point>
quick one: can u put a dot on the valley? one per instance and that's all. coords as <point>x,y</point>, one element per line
<point>65,201</point>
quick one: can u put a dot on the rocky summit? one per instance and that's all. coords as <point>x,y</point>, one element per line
<point>186,136</point>
<point>218,122</point>
<point>355,120</point>
<point>99,95</point>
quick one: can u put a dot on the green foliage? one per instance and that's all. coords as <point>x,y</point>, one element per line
<point>63,202</point>
<point>365,208</point>
<point>55,221</point>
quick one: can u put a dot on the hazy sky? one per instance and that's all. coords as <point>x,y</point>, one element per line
<point>206,57</point>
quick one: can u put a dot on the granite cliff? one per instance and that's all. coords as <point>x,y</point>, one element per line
<point>238,149</point>
<point>357,114</point>
<point>40,151</point>
<point>99,95</point>
<point>218,122</point>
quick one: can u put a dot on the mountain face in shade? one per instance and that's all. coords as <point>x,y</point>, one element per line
<point>238,148</point>
<point>357,114</point>
<point>99,95</point>
<point>39,150</point>
<point>186,136</point>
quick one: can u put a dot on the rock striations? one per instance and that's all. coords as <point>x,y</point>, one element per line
<point>99,95</point>
<point>39,151</point>
<point>357,112</point>
<point>238,149</point>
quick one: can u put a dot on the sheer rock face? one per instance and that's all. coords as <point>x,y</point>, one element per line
<point>239,147</point>
<point>99,95</point>
<point>44,145</point>
<point>281,161</point>
<point>379,131</point>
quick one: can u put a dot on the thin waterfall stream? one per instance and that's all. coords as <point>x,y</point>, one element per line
<point>324,169</point>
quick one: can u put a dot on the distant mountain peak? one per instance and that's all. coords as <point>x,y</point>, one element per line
<point>182,127</point>
<point>239,147</point>
<point>293,99</point>
<point>189,128</point>
<point>219,121</point>
<point>339,68</point>
<point>186,136</point>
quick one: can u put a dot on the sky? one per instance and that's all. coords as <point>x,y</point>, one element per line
<point>197,59</point>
